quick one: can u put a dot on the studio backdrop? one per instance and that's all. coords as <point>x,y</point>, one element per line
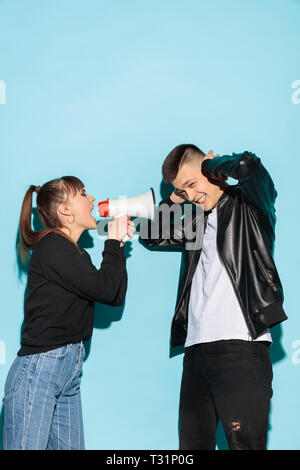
<point>103,90</point>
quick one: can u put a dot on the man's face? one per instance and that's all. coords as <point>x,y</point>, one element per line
<point>191,184</point>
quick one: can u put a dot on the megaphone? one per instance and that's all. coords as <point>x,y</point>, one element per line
<point>137,206</point>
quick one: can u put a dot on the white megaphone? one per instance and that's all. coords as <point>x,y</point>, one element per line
<point>138,206</point>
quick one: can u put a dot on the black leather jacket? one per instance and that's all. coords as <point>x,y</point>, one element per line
<point>245,242</point>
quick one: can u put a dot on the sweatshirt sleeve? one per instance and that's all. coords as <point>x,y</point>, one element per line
<point>63,264</point>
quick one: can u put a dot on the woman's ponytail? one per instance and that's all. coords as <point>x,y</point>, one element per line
<point>28,237</point>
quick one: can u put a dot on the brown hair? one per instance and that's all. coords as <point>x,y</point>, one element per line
<point>49,196</point>
<point>181,154</point>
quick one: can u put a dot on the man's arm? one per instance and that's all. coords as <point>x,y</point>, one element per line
<point>253,179</point>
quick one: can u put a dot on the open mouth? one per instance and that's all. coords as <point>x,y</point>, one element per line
<point>91,211</point>
<point>201,200</point>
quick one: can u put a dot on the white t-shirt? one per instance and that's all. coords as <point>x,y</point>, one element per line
<point>214,311</point>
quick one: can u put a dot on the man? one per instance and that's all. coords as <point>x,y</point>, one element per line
<point>229,296</point>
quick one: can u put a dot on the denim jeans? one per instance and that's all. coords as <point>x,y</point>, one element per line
<point>42,403</point>
<point>230,381</point>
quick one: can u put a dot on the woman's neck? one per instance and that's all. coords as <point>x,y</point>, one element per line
<point>73,232</point>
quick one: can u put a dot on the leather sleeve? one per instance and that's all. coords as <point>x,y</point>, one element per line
<point>253,179</point>
<point>164,230</point>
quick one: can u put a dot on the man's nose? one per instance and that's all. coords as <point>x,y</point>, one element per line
<point>190,194</point>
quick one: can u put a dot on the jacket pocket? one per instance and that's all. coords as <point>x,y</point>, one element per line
<point>264,271</point>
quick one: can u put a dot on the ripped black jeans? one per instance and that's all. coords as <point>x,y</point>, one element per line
<point>229,381</point>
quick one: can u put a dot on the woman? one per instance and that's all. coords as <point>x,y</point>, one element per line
<point>42,404</point>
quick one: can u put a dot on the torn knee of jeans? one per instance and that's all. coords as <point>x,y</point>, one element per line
<point>236,437</point>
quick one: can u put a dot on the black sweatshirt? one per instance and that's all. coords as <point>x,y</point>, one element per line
<point>62,287</point>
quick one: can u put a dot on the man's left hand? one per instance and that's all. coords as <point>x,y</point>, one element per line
<point>209,156</point>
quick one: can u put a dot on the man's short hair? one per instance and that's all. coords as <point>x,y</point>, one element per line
<point>181,154</point>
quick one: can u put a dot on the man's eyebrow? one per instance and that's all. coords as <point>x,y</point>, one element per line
<point>185,184</point>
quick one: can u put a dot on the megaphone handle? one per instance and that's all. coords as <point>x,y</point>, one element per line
<point>126,238</point>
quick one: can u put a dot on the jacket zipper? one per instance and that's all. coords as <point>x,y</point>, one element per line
<point>264,272</point>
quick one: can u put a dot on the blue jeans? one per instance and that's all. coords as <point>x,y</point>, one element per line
<point>42,403</point>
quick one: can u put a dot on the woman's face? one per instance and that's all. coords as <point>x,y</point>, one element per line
<point>81,207</point>
<point>76,214</point>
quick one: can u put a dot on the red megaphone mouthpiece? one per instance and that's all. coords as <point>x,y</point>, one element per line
<point>103,208</point>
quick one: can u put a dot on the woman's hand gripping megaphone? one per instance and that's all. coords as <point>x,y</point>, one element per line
<point>121,228</point>
<point>137,206</point>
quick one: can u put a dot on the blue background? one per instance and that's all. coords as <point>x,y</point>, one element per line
<point>104,90</point>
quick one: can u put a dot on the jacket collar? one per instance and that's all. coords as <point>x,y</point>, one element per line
<point>226,193</point>
<point>223,198</point>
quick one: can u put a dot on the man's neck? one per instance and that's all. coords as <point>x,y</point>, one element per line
<point>222,187</point>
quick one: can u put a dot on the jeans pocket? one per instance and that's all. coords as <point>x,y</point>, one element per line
<point>57,353</point>
<point>15,374</point>
<point>264,367</point>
